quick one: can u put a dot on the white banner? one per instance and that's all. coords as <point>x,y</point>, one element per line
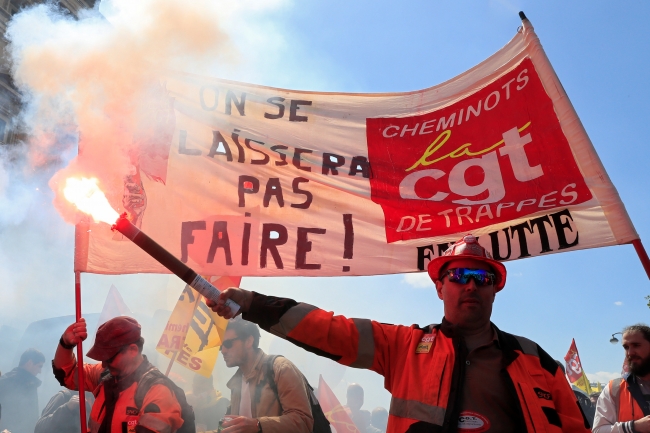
<point>251,180</point>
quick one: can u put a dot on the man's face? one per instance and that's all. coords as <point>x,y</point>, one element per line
<point>236,354</point>
<point>33,368</point>
<point>637,353</point>
<point>124,362</point>
<point>466,305</point>
<point>355,399</point>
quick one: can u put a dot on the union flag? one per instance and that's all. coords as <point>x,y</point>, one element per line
<point>335,413</point>
<point>574,370</point>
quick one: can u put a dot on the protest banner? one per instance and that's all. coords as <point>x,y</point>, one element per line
<point>260,181</point>
<point>193,334</point>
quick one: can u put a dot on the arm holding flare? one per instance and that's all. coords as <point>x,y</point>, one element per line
<point>165,258</point>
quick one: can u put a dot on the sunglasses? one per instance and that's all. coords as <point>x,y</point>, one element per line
<point>463,275</point>
<point>228,343</point>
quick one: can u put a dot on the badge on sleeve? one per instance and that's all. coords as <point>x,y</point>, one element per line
<point>129,424</point>
<point>424,346</point>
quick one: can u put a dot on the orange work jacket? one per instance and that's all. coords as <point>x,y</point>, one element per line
<point>628,408</point>
<point>423,368</point>
<point>160,411</point>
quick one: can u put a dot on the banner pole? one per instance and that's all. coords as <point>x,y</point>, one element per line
<point>171,363</point>
<point>80,356</point>
<point>643,255</point>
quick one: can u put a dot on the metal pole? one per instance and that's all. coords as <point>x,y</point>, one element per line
<point>643,255</point>
<point>171,364</point>
<point>80,356</point>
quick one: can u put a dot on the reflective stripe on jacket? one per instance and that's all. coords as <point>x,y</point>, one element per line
<point>627,407</point>
<point>424,386</point>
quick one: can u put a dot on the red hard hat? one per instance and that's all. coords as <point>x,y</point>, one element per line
<point>467,248</point>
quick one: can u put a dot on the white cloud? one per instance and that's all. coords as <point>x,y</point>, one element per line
<point>418,279</point>
<point>602,376</point>
<point>618,303</point>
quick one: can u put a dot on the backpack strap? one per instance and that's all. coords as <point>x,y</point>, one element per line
<point>268,377</point>
<point>151,377</point>
<point>635,390</point>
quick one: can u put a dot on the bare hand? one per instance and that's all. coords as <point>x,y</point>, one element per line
<point>241,424</point>
<point>75,333</point>
<point>642,425</point>
<point>240,296</point>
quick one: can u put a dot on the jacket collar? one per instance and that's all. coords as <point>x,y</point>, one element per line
<point>129,380</point>
<point>509,345</point>
<point>505,342</point>
<point>24,376</point>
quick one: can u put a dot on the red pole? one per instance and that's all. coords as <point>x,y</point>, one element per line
<point>80,356</point>
<point>643,255</point>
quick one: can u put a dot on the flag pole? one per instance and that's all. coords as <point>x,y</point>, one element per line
<point>80,355</point>
<point>171,363</point>
<point>173,358</point>
<point>643,255</point>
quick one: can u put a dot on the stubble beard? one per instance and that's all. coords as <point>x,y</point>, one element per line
<point>641,369</point>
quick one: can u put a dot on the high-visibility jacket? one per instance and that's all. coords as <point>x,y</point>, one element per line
<point>160,411</point>
<point>628,408</point>
<point>425,386</point>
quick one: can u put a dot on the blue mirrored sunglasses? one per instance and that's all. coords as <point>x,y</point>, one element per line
<point>463,275</point>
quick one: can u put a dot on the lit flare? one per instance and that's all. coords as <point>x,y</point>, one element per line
<point>86,195</point>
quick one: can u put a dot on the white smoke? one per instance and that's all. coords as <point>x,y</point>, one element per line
<point>90,82</point>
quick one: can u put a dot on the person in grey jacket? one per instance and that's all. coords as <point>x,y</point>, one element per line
<point>61,415</point>
<point>18,393</point>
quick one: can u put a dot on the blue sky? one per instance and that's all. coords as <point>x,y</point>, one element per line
<point>600,52</point>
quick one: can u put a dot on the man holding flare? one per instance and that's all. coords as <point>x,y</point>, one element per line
<point>463,374</point>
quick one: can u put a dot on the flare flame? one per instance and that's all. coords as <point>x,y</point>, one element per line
<point>86,195</point>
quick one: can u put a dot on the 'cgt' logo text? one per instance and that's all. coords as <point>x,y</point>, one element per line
<point>494,156</point>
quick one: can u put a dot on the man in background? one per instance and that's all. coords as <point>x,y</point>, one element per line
<point>594,397</point>
<point>208,403</point>
<point>61,415</point>
<point>18,396</point>
<point>268,393</point>
<point>354,402</point>
<point>623,404</point>
<point>379,418</point>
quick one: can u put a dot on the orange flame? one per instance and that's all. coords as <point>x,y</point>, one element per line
<point>86,195</point>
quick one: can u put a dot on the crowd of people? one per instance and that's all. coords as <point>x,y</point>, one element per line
<point>463,374</point>
<point>266,392</point>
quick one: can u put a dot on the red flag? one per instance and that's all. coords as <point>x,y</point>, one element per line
<point>335,413</point>
<point>574,369</point>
